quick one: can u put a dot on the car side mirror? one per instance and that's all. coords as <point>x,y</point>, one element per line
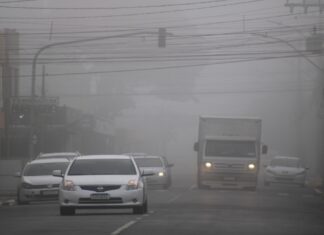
<point>57,173</point>
<point>17,174</point>
<point>147,173</point>
<point>170,165</point>
<point>196,147</point>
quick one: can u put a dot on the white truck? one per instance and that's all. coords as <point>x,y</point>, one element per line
<point>229,151</point>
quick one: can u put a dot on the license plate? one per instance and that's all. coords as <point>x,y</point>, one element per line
<point>229,178</point>
<point>99,196</point>
<point>50,192</point>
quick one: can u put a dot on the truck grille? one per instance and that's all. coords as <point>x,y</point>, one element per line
<point>227,166</point>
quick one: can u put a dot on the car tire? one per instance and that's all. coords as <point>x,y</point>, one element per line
<point>20,201</point>
<point>141,209</point>
<point>64,210</point>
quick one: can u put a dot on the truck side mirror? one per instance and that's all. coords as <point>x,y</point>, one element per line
<point>196,147</point>
<point>264,149</point>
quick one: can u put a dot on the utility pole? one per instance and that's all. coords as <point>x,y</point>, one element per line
<point>306,5</point>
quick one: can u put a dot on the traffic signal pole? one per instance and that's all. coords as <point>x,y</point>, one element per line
<point>32,134</point>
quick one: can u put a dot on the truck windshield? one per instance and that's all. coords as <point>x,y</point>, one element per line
<point>221,148</point>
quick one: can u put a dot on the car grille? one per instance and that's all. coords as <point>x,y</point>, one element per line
<point>100,188</point>
<point>111,200</point>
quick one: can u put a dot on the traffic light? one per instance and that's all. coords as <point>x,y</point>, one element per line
<point>162,37</point>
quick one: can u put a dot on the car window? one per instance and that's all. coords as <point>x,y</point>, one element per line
<point>149,162</point>
<point>102,167</point>
<point>285,162</point>
<point>44,168</point>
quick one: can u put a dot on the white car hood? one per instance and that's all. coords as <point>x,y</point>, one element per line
<point>282,170</point>
<point>101,179</point>
<point>152,169</point>
<point>41,180</point>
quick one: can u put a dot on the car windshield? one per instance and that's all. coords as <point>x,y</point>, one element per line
<point>102,167</point>
<point>148,162</point>
<point>287,162</point>
<point>215,148</point>
<point>39,169</point>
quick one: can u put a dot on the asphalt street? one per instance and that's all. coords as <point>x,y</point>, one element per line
<point>183,209</point>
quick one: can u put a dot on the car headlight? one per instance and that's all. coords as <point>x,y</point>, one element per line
<point>251,166</point>
<point>208,165</point>
<point>133,184</point>
<point>26,185</point>
<point>161,173</point>
<point>68,185</point>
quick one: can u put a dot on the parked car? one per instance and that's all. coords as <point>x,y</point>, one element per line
<point>37,182</point>
<point>102,181</point>
<point>67,155</point>
<point>160,166</point>
<point>283,169</point>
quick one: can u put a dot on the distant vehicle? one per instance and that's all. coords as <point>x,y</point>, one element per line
<point>102,181</point>
<point>160,166</point>
<point>283,169</point>
<point>228,152</point>
<point>37,182</point>
<point>67,155</point>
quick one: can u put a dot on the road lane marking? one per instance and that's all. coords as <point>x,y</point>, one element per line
<point>125,226</point>
<point>176,197</point>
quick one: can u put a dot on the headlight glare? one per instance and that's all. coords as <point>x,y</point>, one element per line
<point>208,164</point>
<point>251,166</point>
<point>161,173</point>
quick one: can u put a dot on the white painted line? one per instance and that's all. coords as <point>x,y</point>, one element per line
<point>174,198</point>
<point>122,228</point>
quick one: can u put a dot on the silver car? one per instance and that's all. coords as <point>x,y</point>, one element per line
<point>37,182</point>
<point>284,169</point>
<point>102,181</point>
<point>160,166</point>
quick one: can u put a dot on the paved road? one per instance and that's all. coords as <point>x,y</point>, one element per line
<point>182,210</point>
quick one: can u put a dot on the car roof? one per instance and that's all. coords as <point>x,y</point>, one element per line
<point>104,157</point>
<point>49,160</point>
<point>135,154</point>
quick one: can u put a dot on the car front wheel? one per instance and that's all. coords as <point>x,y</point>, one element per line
<point>67,210</point>
<point>141,209</point>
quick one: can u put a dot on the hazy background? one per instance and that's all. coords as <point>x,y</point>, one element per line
<point>222,58</point>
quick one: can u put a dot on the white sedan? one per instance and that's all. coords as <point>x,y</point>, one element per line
<point>102,181</point>
<point>284,169</point>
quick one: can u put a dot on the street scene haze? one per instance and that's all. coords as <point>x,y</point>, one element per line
<point>161,117</point>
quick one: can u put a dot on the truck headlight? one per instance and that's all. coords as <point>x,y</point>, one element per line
<point>251,166</point>
<point>208,164</point>
<point>161,173</point>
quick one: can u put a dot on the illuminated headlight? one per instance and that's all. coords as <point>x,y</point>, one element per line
<point>161,173</point>
<point>26,185</point>
<point>208,164</point>
<point>251,166</point>
<point>134,184</point>
<point>68,185</point>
